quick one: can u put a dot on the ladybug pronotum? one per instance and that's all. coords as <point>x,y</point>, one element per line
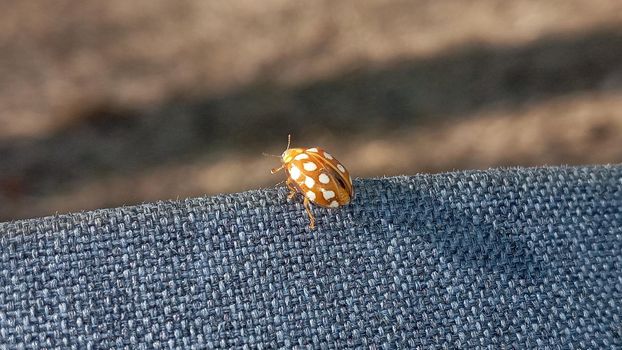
<point>318,176</point>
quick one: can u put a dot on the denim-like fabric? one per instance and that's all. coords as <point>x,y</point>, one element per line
<point>518,258</point>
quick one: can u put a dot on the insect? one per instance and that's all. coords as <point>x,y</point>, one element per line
<point>318,176</point>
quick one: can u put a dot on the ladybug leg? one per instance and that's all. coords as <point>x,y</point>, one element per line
<point>292,189</point>
<point>307,205</point>
<point>276,170</point>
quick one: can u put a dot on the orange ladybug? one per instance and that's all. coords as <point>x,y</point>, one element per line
<point>318,176</point>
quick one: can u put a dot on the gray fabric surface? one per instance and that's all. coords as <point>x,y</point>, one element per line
<point>518,258</point>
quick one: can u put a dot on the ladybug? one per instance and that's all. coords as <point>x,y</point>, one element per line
<point>318,176</point>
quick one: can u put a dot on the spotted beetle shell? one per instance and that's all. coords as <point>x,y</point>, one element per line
<point>319,176</point>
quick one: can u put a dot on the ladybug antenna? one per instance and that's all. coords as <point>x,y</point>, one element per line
<point>289,139</point>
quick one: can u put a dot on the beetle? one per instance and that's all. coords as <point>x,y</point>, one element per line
<point>318,176</point>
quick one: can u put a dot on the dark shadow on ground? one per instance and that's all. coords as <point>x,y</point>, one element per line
<point>367,100</point>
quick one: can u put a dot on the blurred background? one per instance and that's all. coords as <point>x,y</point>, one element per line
<point>108,103</point>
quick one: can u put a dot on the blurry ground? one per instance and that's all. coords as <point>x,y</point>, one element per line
<point>119,102</point>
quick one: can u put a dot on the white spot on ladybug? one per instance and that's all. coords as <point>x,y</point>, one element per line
<point>341,168</point>
<point>328,156</point>
<point>311,195</point>
<point>333,204</point>
<point>328,194</point>
<point>309,182</point>
<point>294,172</point>
<point>312,150</point>
<point>324,178</point>
<point>302,156</point>
<point>309,166</point>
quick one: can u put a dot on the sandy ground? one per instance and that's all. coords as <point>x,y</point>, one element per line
<point>111,103</point>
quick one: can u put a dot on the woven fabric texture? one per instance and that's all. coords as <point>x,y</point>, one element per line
<point>512,258</point>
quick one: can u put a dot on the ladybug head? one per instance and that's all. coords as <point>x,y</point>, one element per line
<point>290,153</point>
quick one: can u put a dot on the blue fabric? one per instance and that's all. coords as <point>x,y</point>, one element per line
<point>515,258</point>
